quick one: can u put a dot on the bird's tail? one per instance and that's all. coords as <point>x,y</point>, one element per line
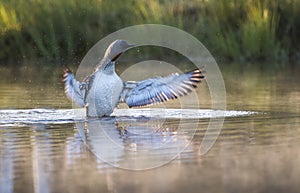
<point>74,90</point>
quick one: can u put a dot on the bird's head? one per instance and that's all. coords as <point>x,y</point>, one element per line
<point>115,49</point>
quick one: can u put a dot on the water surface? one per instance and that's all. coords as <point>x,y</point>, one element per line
<point>43,149</point>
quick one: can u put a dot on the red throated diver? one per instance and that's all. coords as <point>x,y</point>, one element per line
<point>101,91</point>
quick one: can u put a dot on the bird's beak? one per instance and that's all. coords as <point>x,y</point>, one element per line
<point>130,46</point>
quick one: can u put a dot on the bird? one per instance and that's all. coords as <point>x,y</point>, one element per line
<point>103,90</point>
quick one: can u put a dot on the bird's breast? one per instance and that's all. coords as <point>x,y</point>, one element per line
<point>104,94</point>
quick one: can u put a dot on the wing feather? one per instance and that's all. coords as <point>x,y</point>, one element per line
<point>74,89</point>
<point>160,89</point>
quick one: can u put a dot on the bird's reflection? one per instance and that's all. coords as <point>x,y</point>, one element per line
<point>135,143</point>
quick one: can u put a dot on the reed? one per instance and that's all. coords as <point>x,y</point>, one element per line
<point>63,31</point>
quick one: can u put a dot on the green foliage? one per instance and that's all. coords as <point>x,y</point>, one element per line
<point>243,30</point>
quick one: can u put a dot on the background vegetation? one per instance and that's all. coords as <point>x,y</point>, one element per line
<point>63,30</point>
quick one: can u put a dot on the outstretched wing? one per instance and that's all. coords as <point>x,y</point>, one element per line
<point>160,89</point>
<point>74,89</point>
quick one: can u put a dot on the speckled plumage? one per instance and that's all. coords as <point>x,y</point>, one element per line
<point>103,95</point>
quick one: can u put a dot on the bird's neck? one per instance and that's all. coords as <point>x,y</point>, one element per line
<point>109,68</point>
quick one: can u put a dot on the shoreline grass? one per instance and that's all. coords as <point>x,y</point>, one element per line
<point>233,30</point>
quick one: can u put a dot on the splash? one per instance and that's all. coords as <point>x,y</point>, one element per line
<point>63,116</point>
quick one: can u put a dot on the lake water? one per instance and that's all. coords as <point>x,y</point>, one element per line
<point>45,147</point>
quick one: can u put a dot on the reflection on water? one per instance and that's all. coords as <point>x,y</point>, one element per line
<point>255,153</point>
<point>250,155</point>
<point>136,143</point>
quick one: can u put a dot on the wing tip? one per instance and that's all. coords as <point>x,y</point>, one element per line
<point>66,73</point>
<point>196,76</point>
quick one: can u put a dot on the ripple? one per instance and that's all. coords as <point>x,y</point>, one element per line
<point>19,117</point>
